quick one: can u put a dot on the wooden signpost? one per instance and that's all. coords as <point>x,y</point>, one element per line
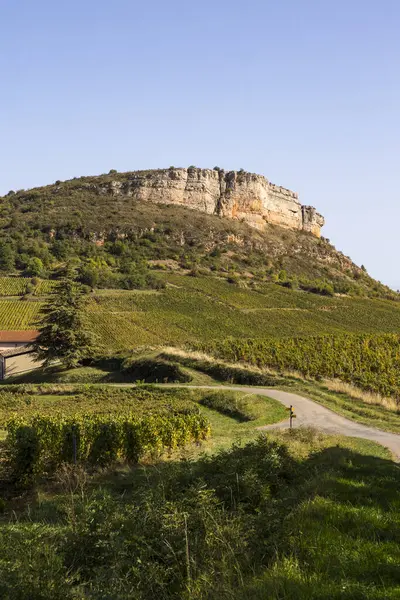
<point>291,416</point>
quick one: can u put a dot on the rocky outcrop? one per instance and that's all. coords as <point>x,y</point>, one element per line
<point>234,194</point>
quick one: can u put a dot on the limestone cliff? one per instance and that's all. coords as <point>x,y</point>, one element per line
<point>234,194</point>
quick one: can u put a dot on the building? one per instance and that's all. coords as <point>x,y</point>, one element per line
<point>16,339</point>
<point>16,354</point>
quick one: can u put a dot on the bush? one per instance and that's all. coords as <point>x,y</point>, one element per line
<point>318,287</point>
<point>154,371</point>
<point>34,268</point>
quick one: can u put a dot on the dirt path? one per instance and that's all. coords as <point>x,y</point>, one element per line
<point>310,413</point>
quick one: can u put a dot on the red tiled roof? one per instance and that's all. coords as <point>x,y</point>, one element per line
<point>18,336</point>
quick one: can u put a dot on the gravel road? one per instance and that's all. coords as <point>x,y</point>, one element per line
<point>310,413</point>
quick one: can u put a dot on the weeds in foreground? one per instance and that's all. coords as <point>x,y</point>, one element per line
<point>291,516</point>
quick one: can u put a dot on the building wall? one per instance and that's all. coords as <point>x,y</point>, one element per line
<point>19,364</point>
<point>11,345</point>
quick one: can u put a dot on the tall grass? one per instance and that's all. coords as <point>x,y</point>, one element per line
<point>352,391</point>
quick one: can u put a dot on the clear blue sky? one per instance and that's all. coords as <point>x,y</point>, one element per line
<point>306,92</point>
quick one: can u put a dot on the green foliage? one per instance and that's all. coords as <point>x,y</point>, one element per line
<point>64,334</point>
<point>228,403</point>
<point>7,257</point>
<point>318,287</point>
<point>270,520</point>
<point>40,443</point>
<point>370,362</point>
<point>154,370</point>
<point>34,267</point>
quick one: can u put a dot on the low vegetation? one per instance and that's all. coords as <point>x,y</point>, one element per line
<point>301,516</point>
<point>243,407</point>
<point>153,370</point>
<point>118,492</point>
<point>370,362</point>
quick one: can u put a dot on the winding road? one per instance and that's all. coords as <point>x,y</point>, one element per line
<point>314,414</point>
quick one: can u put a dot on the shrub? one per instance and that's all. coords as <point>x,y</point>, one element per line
<point>154,370</point>
<point>318,287</point>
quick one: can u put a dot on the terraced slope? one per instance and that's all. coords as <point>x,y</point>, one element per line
<point>200,309</point>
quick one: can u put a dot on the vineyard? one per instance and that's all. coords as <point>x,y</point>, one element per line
<point>95,426</point>
<point>205,309</point>
<point>19,314</point>
<point>19,286</point>
<point>370,362</point>
<point>49,400</point>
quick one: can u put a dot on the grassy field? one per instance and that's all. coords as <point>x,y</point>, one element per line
<point>293,514</point>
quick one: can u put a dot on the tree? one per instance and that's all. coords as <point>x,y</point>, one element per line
<point>89,276</point>
<point>63,332</point>
<point>7,257</point>
<point>34,267</point>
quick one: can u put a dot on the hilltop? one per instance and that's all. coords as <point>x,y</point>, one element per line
<point>119,229</point>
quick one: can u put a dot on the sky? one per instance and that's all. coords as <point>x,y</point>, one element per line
<point>305,92</point>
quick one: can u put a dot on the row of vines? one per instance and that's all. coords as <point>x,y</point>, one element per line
<point>371,362</point>
<point>95,427</point>
<point>19,286</point>
<point>19,314</point>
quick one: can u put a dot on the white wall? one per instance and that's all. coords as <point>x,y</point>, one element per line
<point>20,364</point>
<point>11,345</point>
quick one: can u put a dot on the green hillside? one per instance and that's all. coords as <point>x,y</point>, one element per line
<point>201,309</point>
<point>117,242</point>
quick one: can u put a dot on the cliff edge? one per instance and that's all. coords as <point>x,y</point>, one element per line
<point>235,194</point>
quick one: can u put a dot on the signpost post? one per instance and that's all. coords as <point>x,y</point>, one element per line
<point>291,416</point>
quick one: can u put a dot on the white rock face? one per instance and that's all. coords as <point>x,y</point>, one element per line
<point>234,194</point>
